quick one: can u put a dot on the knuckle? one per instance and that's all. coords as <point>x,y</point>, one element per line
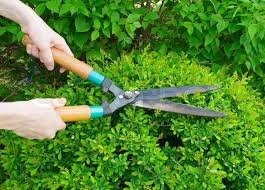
<point>60,124</point>
<point>63,126</point>
<point>62,40</point>
<point>50,134</point>
<point>44,47</point>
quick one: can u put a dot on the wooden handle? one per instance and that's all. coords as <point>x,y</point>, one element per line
<point>74,113</point>
<point>70,63</point>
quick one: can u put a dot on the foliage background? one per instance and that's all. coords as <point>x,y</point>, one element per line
<point>144,149</point>
<point>135,148</point>
<point>217,32</point>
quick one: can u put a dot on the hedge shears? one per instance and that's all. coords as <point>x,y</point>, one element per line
<point>151,99</point>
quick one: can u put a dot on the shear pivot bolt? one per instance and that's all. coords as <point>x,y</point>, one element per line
<point>137,92</point>
<point>120,96</point>
<point>128,94</point>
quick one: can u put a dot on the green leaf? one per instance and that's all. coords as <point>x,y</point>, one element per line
<point>65,8</point>
<point>94,35</point>
<point>97,24</point>
<point>252,30</point>
<point>221,26</point>
<point>62,25</point>
<point>115,29</point>
<point>106,32</point>
<point>92,53</point>
<point>150,182</point>
<point>163,49</point>
<point>40,9</point>
<point>189,26</point>
<point>2,30</point>
<point>137,24</point>
<point>80,39</point>
<point>81,7</point>
<point>259,70</point>
<point>84,11</point>
<point>149,19</point>
<point>115,17</point>
<point>130,28</point>
<point>133,18</point>
<point>198,27</point>
<point>81,24</point>
<point>106,23</point>
<point>54,5</point>
<point>209,38</point>
<point>13,28</point>
<point>151,16</point>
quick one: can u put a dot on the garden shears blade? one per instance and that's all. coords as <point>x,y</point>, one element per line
<point>152,98</point>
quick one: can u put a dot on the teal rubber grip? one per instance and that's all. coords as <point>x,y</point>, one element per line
<point>96,111</point>
<point>95,78</point>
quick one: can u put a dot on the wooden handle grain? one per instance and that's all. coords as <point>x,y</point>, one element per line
<point>74,113</point>
<point>72,64</point>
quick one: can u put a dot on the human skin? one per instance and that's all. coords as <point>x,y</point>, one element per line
<point>35,119</point>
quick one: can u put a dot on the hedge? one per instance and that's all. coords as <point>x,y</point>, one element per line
<point>137,148</point>
<point>218,32</point>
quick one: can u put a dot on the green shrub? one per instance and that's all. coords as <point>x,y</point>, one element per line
<point>144,149</point>
<point>230,32</point>
<point>222,31</point>
<point>90,27</point>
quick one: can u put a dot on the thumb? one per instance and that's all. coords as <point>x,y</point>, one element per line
<point>58,102</point>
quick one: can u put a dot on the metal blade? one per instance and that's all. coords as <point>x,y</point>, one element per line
<point>159,93</point>
<point>177,108</point>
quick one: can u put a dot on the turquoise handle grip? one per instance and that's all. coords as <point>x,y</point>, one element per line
<point>96,111</point>
<point>95,78</point>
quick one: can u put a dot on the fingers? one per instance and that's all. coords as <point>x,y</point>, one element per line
<point>48,134</point>
<point>41,48</point>
<point>35,52</point>
<point>62,70</point>
<point>28,134</point>
<point>61,44</point>
<point>49,102</point>
<point>28,48</point>
<point>32,50</point>
<point>45,55</point>
<point>58,102</point>
<point>60,124</point>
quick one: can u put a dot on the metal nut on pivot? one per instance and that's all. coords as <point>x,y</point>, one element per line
<point>137,92</point>
<point>120,96</point>
<point>128,94</point>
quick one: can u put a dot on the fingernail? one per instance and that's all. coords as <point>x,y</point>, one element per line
<point>50,68</point>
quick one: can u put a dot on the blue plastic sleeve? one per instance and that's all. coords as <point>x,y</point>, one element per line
<point>96,78</point>
<point>96,111</point>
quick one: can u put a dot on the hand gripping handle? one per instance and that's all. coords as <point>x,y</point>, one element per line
<point>72,64</point>
<point>75,113</point>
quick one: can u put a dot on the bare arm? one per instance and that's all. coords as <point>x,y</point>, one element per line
<point>42,36</point>
<point>34,119</point>
<point>17,11</point>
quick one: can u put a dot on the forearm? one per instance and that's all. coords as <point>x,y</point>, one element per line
<point>17,11</point>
